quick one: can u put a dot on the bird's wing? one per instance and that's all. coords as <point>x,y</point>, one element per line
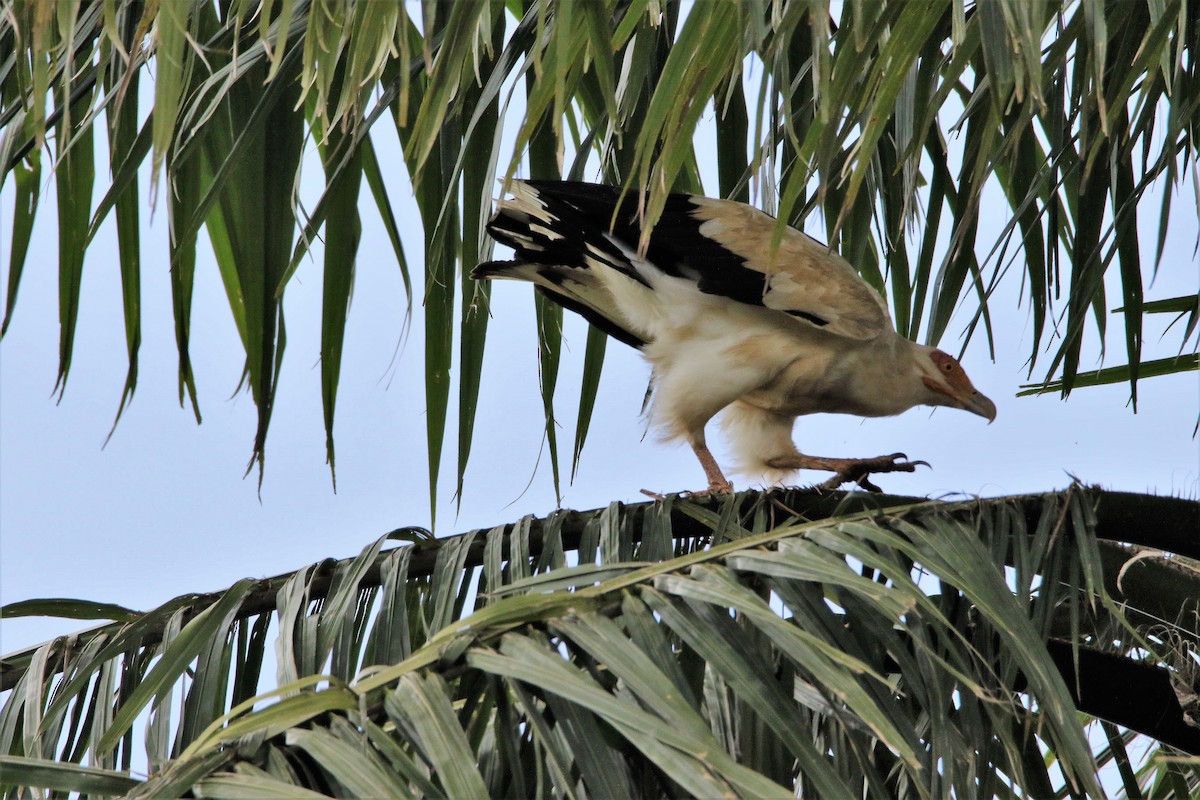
<point>724,247</point>
<point>803,278</point>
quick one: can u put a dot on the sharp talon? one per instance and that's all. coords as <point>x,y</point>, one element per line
<point>922,463</point>
<point>835,483</point>
<point>895,456</point>
<point>870,487</point>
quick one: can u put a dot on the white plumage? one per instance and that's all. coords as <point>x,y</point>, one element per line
<point>727,322</point>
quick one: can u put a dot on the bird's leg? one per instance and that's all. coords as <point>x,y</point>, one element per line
<point>845,470</point>
<point>717,482</point>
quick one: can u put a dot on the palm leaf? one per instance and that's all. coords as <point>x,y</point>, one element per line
<point>778,630</point>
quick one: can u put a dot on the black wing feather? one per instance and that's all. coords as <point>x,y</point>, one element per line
<point>579,233</point>
<point>677,247</point>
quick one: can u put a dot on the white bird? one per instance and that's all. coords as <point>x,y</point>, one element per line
<point>728,322</point>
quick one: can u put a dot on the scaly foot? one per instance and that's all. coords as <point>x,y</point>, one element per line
<point>717,482</point>
<point>714,488</point>
<point>846,470</point>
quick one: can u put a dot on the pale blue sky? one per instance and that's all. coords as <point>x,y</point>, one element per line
<point>164,509</point>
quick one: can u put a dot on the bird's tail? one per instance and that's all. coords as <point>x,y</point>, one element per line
<point>505,270</point>
<point>548,224</point>
<point>564,253</point>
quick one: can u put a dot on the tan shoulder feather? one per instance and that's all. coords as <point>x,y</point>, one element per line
<point>804,278</point>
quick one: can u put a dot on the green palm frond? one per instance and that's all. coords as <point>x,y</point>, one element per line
<point>762,645</point>
<point>892,120</point>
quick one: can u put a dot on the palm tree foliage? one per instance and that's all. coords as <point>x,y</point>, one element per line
<point>755,645</point>
<point>758,645</point>
<point>891,120</point>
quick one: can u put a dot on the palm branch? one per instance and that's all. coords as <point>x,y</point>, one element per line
<point>759,645</point>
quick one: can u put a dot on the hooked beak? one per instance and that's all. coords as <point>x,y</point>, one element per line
<point>977,403</point>
<point>969,400</point>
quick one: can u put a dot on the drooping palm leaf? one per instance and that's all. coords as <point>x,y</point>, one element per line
<point>566,656</point>
<point>892,119</point>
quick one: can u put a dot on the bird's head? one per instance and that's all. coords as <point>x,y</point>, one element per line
<point>949,385</point>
